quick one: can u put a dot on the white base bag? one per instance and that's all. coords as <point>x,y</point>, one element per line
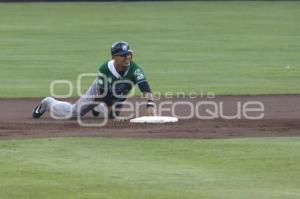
<point>154,119</point>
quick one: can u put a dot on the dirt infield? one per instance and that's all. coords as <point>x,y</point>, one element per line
<point>281,118</point>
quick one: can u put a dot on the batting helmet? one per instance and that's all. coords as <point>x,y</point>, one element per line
<point>120,48</point>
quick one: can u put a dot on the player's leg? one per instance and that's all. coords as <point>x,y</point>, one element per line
<point>66,110</point>
<point>58,109</point>
<point>90,99</point>
<point>100,108</point>
<point>111,106</point>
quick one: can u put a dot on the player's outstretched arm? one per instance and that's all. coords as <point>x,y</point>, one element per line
<point>147,94</point>
<point>150,111</point>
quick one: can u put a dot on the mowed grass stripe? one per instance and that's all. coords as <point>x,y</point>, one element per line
<point>223,47</point>
<point>146,168</point>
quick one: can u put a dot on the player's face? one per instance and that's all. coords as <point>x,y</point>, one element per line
<point>123,60</point>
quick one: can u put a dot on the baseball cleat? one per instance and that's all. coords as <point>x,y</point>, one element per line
<point>38,111</point>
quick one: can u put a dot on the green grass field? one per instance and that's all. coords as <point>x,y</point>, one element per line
<point>124,168</point>
<point>222,47</point>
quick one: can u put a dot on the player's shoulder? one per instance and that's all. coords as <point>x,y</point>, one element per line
<point>104,64</point>
<point>103,67</point>
<point>134,65</point>
<point>137,72</point>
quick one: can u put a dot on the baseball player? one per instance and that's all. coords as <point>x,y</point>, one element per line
<point>115,79</point>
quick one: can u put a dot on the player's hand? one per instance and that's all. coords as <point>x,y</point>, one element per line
<point>151,111</point>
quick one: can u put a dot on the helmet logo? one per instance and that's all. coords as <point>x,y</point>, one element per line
<point>124,48</point>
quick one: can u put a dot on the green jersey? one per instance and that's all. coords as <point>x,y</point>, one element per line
<point>134,73</point>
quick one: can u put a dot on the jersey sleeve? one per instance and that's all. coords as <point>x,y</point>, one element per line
<point>144,87</point>
<point>102,75</point>
<point>139,75</point>
<point>140,79</point>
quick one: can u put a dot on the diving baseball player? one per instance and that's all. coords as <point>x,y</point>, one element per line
<point>116,78</point>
